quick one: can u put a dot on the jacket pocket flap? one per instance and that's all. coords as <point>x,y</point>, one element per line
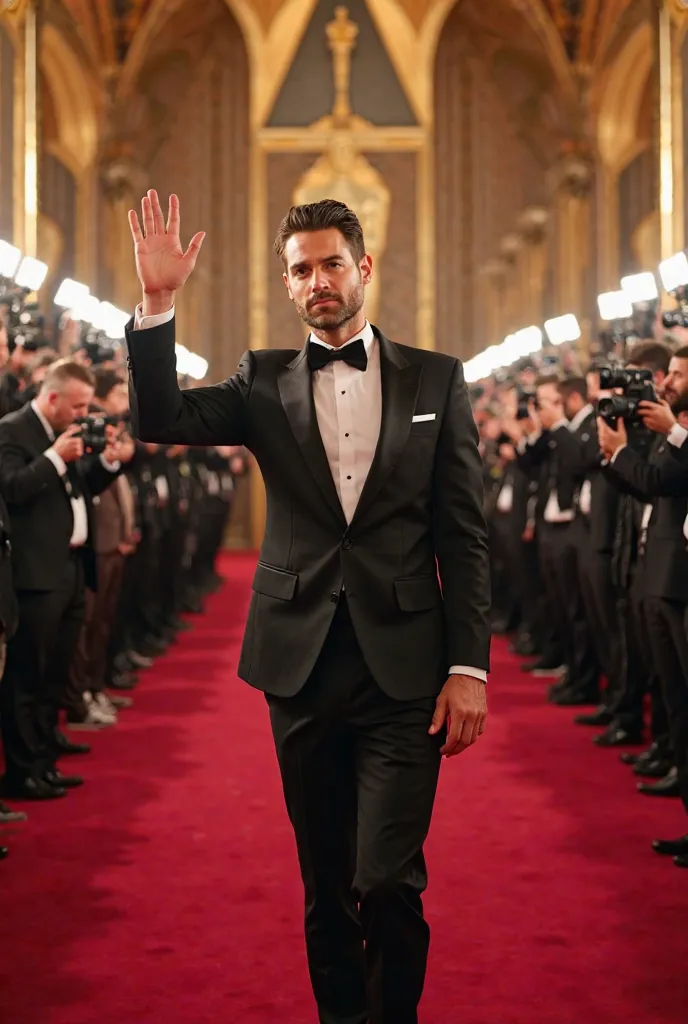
<point>273,582</point>
<point>417,593</point>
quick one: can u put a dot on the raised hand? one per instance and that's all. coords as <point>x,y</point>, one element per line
<point>161,263</point>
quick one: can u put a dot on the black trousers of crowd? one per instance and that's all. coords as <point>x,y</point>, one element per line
<point>37,671</point>
<point>562,564</point>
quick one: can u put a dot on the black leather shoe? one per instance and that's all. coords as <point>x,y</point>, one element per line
<point>668,786</point>
<point>60,781</point>
<point>66,746</point>
<point>616,737</point>
<point>671,847</point>
<point>543,664</point>
<point>657,769</point>
<point>3,852</point>
<point>681,861</point>
<point>32,789</point>
<point>653,753</point>
<point>601,716</point>
<point>573,698</point>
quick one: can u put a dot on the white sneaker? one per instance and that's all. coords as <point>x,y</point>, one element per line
<point>105,705</point>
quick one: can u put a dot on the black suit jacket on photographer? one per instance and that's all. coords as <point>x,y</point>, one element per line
<point>564,456</point>
<point>662,481</point>
<point>40,508</point>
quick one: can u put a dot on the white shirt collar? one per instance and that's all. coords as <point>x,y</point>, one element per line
<point>44,423</point>
<point>366,335</point>
<point>586,411</point>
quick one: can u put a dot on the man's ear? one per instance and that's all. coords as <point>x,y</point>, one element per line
<point>366,268</point>
<point>285,278</point>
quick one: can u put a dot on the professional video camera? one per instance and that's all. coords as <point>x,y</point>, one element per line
<point>94,432</point>
<point>637,387</point>
<point>24,321</point>
<point>675,318</point>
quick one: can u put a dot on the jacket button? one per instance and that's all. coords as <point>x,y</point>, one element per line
<point>334,597</point>
<point>347,544</point>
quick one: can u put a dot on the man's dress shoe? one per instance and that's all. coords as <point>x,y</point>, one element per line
<point>60,781</point>
<point>668,786</point>
<point>32,789</point>
<point>615,736</point>
<point>671,847</point>
<point>600,716</point>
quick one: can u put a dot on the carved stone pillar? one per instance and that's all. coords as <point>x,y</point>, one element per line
<point>123,183</point>
<point>510,250</point>
<point>532,225</point>
<point>492,283</point>
<point>572,183</point>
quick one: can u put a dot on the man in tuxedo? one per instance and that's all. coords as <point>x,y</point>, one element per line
<point>48,488</point>
<point>373,668</point>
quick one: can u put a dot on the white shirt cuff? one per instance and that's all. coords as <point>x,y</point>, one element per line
<point>559,424</point>
<point>112,467</point>
<point>144,323</point>
<point>613,458</point>
<point>57,460</point>
<point>466,670</point>
<point>677,435</point>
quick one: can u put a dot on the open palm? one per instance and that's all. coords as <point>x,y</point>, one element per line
<point>161,263</point>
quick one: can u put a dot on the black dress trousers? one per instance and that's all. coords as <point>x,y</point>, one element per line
<point>359,772</point>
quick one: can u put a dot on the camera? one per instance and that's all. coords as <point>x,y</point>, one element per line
<point>524,400</point>
<point>637,387</point>
<point>94,431</point>
<point>675,318</point>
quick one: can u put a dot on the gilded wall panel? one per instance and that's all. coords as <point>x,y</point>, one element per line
<point>284,171</point>
<point>398,268</point>
<point>58,202</point>
<point>6,137</point>
<point>637,201</point>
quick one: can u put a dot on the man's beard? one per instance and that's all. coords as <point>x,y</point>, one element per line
<point>332,319</point>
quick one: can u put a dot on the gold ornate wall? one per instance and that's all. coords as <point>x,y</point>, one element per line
<point>513,157</point>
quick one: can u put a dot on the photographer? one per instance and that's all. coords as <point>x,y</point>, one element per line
<point>48,485</point>
<point>115,541</point>
<point>661,483</point>
<point>559,447</point>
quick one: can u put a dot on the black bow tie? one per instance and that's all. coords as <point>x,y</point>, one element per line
<point>354,354</point>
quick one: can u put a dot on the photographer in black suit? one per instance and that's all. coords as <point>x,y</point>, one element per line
<point>661,482</point>
<point>370,459</point>
<point>560,447</point>
<point>47,485</point>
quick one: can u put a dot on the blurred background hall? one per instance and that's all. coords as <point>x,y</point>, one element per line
<point>519,170</point>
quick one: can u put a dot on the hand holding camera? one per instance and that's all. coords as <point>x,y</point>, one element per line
<point>657,416</point>
<point>70,444</point>
<point>611,438</point>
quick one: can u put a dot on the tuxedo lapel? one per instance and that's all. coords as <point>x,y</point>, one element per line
<point>296,393</point>
<point>400,384</point>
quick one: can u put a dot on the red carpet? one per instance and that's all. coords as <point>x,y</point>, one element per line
<point>166,890</point>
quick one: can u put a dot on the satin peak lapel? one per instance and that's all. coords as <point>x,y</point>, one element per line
<point>296,392</point>
<point>400,384</point>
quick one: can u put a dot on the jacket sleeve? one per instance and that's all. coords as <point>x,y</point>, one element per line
<point>460,532</point>
<point>646,481</point>
<point>162,413</point>
<point>21,481</point>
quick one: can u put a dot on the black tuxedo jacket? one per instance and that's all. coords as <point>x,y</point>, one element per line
<point>663,481</point>
<point>564,457</point>
<point>38,504</point>
<point>420,510</point>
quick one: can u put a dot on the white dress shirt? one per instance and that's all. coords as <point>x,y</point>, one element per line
<point>79,510</point>
<point>348,407</point>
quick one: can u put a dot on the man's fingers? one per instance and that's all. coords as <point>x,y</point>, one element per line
<point>136,232</point>
<point>440,715</point>
<point>173,216</point>
<point>195,244</point>
<point>453,736</point>
<point>147,214</point>
<point>158,219</point>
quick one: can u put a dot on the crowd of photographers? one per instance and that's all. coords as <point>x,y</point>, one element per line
<point>106,544</point>
<point>587,502</point>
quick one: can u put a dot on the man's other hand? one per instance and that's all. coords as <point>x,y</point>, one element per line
<point>463,703</point>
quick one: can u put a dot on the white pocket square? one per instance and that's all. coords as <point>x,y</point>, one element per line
<point>425,418</point>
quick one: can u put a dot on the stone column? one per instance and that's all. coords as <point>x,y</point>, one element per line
<point>572,179</point>
<point>532,225</point>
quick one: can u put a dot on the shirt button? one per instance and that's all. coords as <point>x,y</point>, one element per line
<point>346,435</point>
<point>348,478</point>
<point>343,392</point>
<point>347,544</point>
<point>334,597</point>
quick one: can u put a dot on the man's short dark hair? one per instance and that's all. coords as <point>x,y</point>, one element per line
<point>547,378</point>
<point>322,216</point>
<point>106,381</point>
<point>651,355</point>
<point>573,386</point>
<point>681,353</point>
